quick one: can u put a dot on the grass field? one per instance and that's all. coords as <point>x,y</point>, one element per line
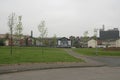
<point>34,55</point>
<point>100,51</point>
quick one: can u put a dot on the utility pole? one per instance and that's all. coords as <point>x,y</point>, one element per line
<point>95,34</point>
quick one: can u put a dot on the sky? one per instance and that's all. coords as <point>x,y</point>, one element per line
<point>62,17</point>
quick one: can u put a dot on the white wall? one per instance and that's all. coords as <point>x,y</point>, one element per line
<point>109,43</point>
<point>59,42</point>
<point>69,43</point>
<point>7,42</point>
<point>118,43</point>
<point>92,43</point>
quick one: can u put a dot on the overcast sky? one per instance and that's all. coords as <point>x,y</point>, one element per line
<point>62,17</point>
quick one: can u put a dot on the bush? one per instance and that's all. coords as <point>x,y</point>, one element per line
<point>2,42</point>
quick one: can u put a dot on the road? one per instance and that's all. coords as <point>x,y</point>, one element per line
<point>108,60</point>
<point>90,73</point>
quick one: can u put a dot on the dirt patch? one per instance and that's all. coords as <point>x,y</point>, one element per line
<point>112,49</point>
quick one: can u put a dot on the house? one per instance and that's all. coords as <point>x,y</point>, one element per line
<point>64,42</point>
<point>38,42</point>
<point>7,42</point>
<point>100,43</point>
<point>103,43</point>
<point>2,36</point>
<point>109,43</point>
<point>118,43</point>
<point>92,43</point>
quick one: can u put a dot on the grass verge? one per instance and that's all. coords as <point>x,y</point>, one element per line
<point>34,55</point>
<point>100,52</point>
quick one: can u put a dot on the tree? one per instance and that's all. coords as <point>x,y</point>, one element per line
<point>7,36</point>
<point>43,32</point>
<point>2,42</point>
<point>11,24</point>
<point>77,42</point>
<point>85,38</point>
<point>54,41</point>
<point>72,38</point>
<point>18,30</point>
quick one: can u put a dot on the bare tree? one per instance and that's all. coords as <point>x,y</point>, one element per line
<point>43,32</point>
<point>85,38</point>
<point>18,30</point>
<point>54,41</point>
<point>85,33</point>
<point>11,23</point>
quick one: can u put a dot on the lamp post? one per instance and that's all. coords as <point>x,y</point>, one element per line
<point>95,33</point>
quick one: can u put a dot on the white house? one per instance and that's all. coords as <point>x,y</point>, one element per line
<point>92,43</point>
<point>118,43</point>
<point>6,42</point>
<point>113,43</point>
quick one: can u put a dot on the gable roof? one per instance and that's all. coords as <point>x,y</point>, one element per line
<point>63,38</point>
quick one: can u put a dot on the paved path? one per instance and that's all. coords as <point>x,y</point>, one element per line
<point>107,60</point>
<point>83,57</point>
<point>89,73</point>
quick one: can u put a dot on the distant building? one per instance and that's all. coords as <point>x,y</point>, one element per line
<point>112,34</point>
<point>92,43</point>
<point>2,36</point>
<point>118,43</point>
<point>64,42</point>
<point>103,44</point>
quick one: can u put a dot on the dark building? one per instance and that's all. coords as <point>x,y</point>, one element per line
<point>64,42</point>
<point>111,34</point>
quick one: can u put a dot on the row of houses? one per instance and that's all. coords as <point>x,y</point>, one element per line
<point>64,42</point>
<point>30,41</point>
<point>103,43</point>
<point>105,40</point>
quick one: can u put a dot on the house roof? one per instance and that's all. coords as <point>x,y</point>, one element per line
<point>63,38</point>
<point>2,35</point>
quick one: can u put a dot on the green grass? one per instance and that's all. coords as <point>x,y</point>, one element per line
<point>100,51</point>
<point>34,55</point>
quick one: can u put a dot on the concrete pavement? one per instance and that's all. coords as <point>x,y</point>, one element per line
<point>93,73</point>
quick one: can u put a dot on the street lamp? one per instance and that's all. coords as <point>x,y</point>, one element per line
<point>95,34</point>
